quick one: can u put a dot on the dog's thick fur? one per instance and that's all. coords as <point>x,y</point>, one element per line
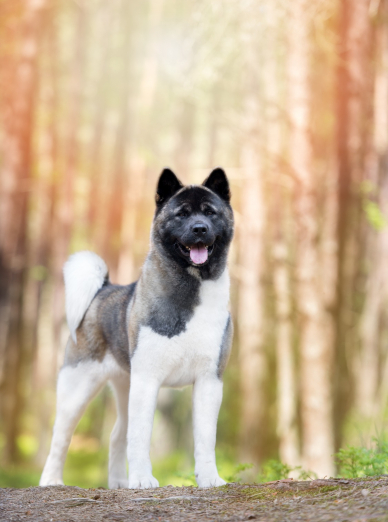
<point>170,328</point>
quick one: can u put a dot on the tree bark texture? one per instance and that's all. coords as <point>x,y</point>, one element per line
<point>315,346</point>
<point>351,140</point>
<point>15,186</point>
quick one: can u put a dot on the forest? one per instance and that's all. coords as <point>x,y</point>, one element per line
<point>290,98</point>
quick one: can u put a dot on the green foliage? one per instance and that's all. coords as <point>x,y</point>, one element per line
<point>361,462</point>
<point>305,475</point>
<point>27,445</point>
<point>374,216</point>
<point>275,470</point>
<point>175,469</point>
<point>187,479</point>
<point>19,477</point>
<point>238,469</point>
<point>86,469</point>
<point>373,213</point>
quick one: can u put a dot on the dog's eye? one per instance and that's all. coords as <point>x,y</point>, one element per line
<point>182,213</point>
<point>209,212</point>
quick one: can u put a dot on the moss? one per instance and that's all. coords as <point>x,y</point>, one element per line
<point>325,489</point>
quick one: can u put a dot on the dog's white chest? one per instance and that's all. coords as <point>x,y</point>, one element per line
<point>179,360</point>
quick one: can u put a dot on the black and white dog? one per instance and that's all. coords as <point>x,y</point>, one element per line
<point>170,328</point>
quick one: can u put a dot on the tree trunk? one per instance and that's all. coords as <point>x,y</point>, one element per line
<point>185,136</point>
<point>44,371</point>
<point>65,207</point>
<point>137,168</point>
<point>381,146</point>
<point>119,183</point>
<point>279,202</point>
<point>96,156</point>
<point>252,357</point>
<point>371,380</point>
<point>250,306</point>
<point>315,343</point>
<point>16,176</point>
<point>214,109</point>
<point>287,429</point>
<point>350,139</point>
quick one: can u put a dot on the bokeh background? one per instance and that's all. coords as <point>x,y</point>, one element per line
<point>290,97</point>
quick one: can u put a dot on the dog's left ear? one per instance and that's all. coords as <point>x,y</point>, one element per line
<point>218,183</point>
<point>168,184</point>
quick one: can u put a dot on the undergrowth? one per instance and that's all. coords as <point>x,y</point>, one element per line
<point>363,462</point>
<point>276,470</point>
<point>352,462</point>
<point>89,469</point>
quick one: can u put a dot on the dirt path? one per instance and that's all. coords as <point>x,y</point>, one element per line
<point>319,500</point>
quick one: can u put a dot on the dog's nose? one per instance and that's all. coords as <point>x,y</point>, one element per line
<point>200,229</point>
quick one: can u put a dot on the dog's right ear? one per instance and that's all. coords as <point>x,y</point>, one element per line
<point>168,184</point>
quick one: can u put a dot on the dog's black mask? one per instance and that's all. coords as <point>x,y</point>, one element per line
<point>193,225</point>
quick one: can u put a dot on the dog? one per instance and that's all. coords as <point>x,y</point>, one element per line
<point>170,328</point>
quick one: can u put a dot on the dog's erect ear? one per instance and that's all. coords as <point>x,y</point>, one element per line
<point>218,183</point>
<point>168,184</point>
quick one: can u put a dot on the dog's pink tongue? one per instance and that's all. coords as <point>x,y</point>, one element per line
<point>198,254</point>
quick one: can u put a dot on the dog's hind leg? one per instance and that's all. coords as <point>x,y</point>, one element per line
<point>76,386</point>
<point>118,439</point>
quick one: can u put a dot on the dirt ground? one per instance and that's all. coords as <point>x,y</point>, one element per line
<point>318,500</point>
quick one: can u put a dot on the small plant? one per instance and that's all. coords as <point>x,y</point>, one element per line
<point>305,475</point>
<point>234,477</point>
<point>276,470</point>
<point>361,462</point>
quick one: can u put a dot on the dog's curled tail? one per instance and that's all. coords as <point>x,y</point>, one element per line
<point>84,273</point>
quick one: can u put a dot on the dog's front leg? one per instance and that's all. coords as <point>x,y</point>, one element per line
<point>207,397</point>
<point>142,402</point>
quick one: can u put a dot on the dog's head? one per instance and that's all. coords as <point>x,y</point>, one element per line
<point>193,225</point>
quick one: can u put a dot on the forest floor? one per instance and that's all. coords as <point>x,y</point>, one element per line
<point>339,500</point>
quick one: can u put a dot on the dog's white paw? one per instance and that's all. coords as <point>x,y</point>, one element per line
<point>50,481</point>
<point>210,482</point>
<point>118,483</point>
<point>142,481</point>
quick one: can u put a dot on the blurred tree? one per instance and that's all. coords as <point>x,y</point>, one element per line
<point>315,338</point>
<point>379,285</point>
<point>18,83</point>
<point>353,73</point>
<point>106,21</point>
<point>253,364</point>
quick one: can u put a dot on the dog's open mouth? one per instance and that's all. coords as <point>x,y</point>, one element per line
<point>198,253</point>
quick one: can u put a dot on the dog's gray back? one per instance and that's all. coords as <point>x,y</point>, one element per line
<point>104,327</point>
